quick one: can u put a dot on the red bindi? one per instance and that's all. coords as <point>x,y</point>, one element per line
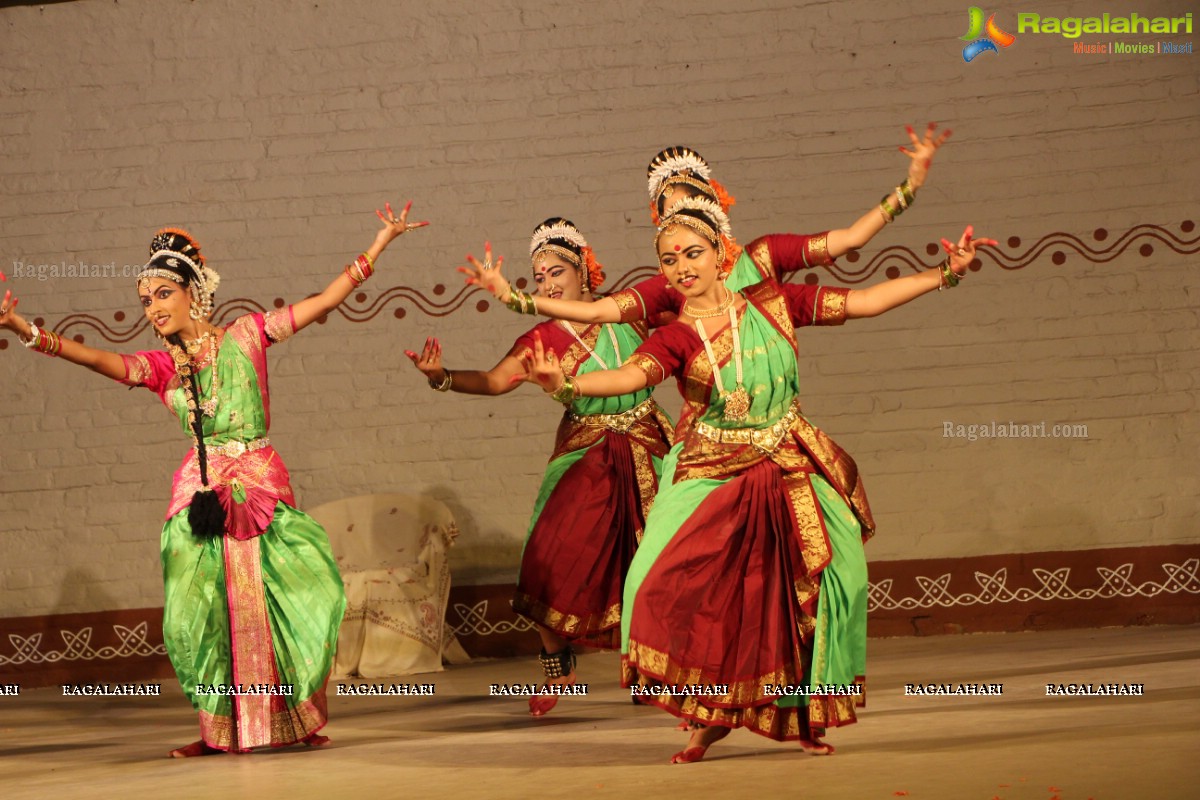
<point>677,248</point>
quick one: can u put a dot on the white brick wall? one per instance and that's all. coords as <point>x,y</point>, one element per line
<point>272,130</point>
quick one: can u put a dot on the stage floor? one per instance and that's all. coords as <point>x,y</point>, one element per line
<point>1022,745</point>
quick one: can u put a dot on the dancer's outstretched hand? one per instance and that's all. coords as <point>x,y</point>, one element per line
<point>429,361</point>
<point>541,367</point>
<point>487,274</point>
<point>393,226</point>
<point>963,253</point>
<point>9,318</point>
<point>922,152</point>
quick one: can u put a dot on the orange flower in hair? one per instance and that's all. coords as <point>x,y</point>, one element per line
<point>193,253</point>
<point>723,197</point>
<point>732,252</point>
<point>595,271</point>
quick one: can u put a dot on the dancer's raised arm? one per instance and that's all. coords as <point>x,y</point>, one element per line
<point>895,202</point>
<point>104,362</point>
<point>541,366</point>
<point>310,309</point>
<point>488,275</point>
<point>495,381</point>
<point>885,296</point>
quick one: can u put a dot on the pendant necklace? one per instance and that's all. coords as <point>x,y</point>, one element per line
<point>737,402</point>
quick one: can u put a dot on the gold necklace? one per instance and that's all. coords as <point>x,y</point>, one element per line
<point>187,364</point>
<point>193,346</point>
<point>708,313</point>
<point>737,402</point>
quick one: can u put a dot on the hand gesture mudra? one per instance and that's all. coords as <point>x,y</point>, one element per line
<point>963,253</point>
<point>922,152</point>
<point>8,316</point>
<point>429,361</point>
<point>541,367</point>
<point>395,226</point>
<point>487,274</point>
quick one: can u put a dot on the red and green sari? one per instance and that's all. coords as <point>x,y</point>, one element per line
<point>751,573</point>
<point>596,492</point>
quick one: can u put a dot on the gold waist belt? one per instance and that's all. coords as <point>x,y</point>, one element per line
<point>619,423</point>
<point>237,449</point>
<point>765,439</point>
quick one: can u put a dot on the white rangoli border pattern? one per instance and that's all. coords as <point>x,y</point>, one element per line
<point>78,647</point>
<point>475,622</point>
<point>1054,584</point>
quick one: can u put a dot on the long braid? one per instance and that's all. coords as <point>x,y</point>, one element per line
<point>205,514</point>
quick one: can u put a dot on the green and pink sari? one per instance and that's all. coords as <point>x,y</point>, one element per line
<point>250,618</point>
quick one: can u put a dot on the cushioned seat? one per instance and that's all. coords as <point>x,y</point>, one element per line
<point>391,550</point>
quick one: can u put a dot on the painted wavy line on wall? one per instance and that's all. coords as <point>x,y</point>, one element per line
<point>1010,255</point>
<point>442,300</point>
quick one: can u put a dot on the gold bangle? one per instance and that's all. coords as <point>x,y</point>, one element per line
<point>885,208</point>
<point>521,302</point>
<point>566,393</point>
<point>444,384</point>
<point>949,275</point>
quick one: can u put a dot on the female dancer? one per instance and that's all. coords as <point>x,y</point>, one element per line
<point>750,585</point>
<point>680,172</point>
<point>602,476</point>
<point>253,597</point>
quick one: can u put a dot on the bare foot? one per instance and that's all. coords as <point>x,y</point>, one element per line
<point>194,749</point>
<point>702,738</point>
<point>816,747</point>
<point>540,705</point>
<point>315,740</point>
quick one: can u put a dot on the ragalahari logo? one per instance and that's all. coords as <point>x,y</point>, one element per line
<point>983,38</point>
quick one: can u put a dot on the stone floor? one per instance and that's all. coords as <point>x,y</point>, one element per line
<point>1022,745</point>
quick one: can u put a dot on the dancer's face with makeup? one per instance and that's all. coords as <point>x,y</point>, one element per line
<point>166,305</point>
<point>557,278</point>
<point>689,262</point>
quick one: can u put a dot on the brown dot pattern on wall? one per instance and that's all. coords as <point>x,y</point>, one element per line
<point>891,261</point>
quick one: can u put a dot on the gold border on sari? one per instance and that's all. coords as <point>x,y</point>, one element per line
<point>630,304</point>
<point>809,523</point>
<point>277,324</point>
<point>780,723</point>
<point>567,625</point>
<point>760,254</point>
<point>288,726</point>
<point>251,644</point>
<point>655,374</point>
<point>137,369</point>
<point>830,306</point>
<point>245,333</point>
<point>654,667</point>
<point>816,250</point>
